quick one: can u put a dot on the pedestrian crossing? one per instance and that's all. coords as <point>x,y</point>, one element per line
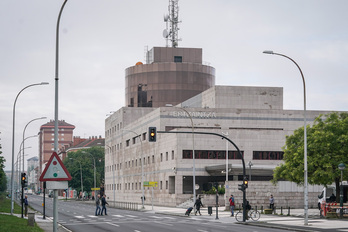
<point>119,217</point>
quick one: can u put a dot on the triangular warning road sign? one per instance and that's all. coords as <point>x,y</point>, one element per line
<point>55,170</point>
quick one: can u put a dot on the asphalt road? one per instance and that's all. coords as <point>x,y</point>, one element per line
<point>80,217</point>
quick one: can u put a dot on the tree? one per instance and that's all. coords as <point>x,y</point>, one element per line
<point>327,146</point>
<point>3,180</point>
<point>72,163</point>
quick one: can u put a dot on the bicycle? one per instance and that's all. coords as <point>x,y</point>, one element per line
<point>252,214</point>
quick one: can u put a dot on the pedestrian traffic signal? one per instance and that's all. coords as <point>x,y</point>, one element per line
<point>152,134</point>
<point>24,179</point>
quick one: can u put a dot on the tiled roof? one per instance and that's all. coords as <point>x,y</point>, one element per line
<point>61,124</point>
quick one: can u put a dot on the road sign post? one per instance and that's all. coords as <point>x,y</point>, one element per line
<point>56,177</point>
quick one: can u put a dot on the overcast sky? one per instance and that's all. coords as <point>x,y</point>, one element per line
<point>99,39</point>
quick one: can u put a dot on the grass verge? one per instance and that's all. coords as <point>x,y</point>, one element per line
<point>13,223</point>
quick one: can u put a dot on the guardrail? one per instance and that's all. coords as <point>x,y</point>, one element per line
<point>126,205</point>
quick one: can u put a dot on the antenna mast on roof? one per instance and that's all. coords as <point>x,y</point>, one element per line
<point>173,19</point>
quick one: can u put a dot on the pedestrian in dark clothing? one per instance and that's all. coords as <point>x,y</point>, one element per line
<point>104,203</point>
<point>97,204</point>
<point>26,205</point>
<point>271,202</point>
<point>198,205</point>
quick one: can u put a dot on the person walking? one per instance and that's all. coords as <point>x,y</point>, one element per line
<point>104,203</point>
<point>232,204</point>
<point>271,202</point>
<point>26,205</point>
<point>97,204</point>
<point>198,205</point>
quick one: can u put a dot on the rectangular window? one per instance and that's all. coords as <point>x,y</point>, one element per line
<point>153,159</point>
<point>178,59</point>
<point>166,184</point>
<point>211,154</point>
<point>268,155</point>
<point>127,143</point>
<point>160,185</point>
<point>172,155</point>
<point>161,157</point>
<point>166,156</point>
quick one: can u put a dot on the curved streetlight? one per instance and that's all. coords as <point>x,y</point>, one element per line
<point>305,138</point>
<point>142,167</point>
<point>22,148</point>
<point>94,172</point>
<point>113,172</point>
<point>13,137</point>
<point>24,135</point>
<point>55,191</point>
<point>193,151</point>
<point>80,174</point>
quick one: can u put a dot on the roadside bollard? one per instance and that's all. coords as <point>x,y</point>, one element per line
<point>31,219</point>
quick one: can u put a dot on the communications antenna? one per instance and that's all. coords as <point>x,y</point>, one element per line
<point>173,19</point>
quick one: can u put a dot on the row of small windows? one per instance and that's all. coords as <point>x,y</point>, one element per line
<point>137,162</point>
<point>115,129</point>
<point>207,154</point>
<point>268,155</point>
<point>133,186</point>
<point>257,155</point>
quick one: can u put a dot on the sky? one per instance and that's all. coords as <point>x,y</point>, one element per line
<point>100,39</point>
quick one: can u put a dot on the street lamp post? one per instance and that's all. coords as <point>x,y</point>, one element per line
<point>55,191</point>
<point>193,151</point>
<point>80,175</point>
<point>226,134</point>
<point>113,173</point>
<point>341,166</point>
<point>250,164</point>
<point>305,138</point>
<point>13,138</point>
<point>24,135</point>
<point>142,167</point>
<point>94,173</point>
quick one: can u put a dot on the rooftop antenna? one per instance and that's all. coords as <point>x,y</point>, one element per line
<point>173,19</point>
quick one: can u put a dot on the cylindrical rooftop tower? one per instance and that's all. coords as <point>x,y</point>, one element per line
<point>171,76</point>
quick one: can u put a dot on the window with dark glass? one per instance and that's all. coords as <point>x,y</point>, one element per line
<point>178,59</point>
<point>209,154</point>
<point>268,155</point>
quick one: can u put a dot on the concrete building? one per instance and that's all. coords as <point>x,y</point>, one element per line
<point>46,140</point>
<point>253,118</point>
<point>32,172</point>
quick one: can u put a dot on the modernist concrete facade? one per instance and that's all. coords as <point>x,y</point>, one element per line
<point>253,117</point>
<point>171,76</point>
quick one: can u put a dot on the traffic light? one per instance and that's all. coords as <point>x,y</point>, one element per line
<point>152,134</point>
<point>245,183</point>
<point>24,179</point>
<point>241,187</point>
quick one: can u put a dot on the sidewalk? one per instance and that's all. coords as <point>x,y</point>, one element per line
<point>294,222</point>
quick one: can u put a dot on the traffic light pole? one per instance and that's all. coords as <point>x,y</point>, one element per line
<point>239,152</point>
<point>22,199</point>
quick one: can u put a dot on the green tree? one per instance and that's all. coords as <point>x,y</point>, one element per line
<point>3,180</point>
<point>327,147</point>
<point>84,156</point>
